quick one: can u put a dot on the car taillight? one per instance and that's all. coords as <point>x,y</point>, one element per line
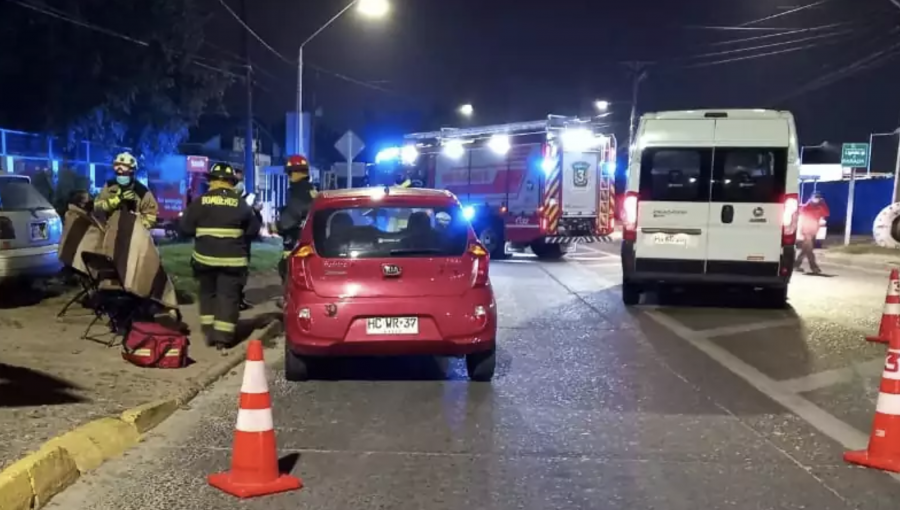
<point>482,261</point>
<point>297,266</point>
<point>7,231</point>
<point>630,216</point>
<point>789,219</point>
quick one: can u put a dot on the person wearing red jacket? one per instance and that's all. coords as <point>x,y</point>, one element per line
<point>811,215</point>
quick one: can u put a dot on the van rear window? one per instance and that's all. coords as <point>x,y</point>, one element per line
<point>749,175</point>
<point>675,174</point>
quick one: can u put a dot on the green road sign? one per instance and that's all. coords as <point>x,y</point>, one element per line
<point>855,155</point>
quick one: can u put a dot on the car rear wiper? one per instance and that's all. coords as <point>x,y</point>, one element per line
<point>416,251</point>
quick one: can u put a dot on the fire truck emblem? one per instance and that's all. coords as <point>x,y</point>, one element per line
<point>580,174</point>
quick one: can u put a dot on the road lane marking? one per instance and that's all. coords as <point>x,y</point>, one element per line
<point>747,328</point>
<point>828,378</point>
<point>826,423</point>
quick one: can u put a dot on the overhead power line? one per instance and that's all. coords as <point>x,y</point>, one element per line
<point>255,35</point>
<point>781,34</point>
<point>773,45</point>
<point>785,13</point>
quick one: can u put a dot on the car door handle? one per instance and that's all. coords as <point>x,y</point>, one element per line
<point>727,213</point>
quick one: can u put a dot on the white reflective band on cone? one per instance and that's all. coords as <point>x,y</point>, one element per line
<point>888,403</point>
<point>255,420</point>
<point>892,308</point>
<point>255,378</point>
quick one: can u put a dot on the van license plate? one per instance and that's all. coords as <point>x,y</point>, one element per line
<point>392,326</point>
<point>670,239</point>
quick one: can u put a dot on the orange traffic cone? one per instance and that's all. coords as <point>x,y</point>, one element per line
<point>884,443</point>
<point>890,317</point>
<point>254,457</point>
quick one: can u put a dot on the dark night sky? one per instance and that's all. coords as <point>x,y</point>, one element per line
<point>522,59</point>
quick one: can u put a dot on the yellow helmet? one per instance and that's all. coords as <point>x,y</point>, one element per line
<point>126,160</point>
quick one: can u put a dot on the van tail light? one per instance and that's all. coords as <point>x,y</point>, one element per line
<point>297,266</point>
<point>630,216</point>
<point>789,220</point>
<point>482,262</point>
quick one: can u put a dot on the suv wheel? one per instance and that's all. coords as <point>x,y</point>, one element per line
<point>481,365</point>
<point>296,367</point>
<point>631,294</point>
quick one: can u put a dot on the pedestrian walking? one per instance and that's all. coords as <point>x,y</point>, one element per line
<point>811,215</point>
<point>221,224</point>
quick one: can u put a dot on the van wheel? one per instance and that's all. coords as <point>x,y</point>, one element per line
<point>481,365</point>
<point>631,294</point>
<point>296,367</point>
<point>775,298</point>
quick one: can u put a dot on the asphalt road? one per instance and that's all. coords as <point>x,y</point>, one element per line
<point>691,401</point>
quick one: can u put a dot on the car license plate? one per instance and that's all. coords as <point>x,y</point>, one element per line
<point>392,326</point>
<point>670,239</point>
<point>39,231</point>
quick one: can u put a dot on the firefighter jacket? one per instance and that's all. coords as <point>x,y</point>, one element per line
<point>222,225</point>
<point>135,197</point>
<point>300,199</point>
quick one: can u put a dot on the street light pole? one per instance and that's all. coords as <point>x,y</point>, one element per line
<point>300,148</point>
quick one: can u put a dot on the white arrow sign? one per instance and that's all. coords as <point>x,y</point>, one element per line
<point>350,146</point>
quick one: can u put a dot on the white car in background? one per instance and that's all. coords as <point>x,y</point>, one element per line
<point>30,231</point>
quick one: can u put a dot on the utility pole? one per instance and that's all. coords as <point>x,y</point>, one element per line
<point>638,74</point>
<point>249,160</point>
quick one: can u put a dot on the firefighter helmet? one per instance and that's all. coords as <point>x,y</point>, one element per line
<point>126,160</point>
<point>297,164</point>
<point>222,171</point>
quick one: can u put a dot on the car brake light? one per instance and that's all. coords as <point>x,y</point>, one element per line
<point>482,261</point>
<point>7,231</point>
<point>789,219</point>
<point>297,266</point>
<point>630,216</point>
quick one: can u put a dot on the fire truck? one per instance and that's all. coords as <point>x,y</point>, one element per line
<point>545,185</point>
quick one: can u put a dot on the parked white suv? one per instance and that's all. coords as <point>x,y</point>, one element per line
<point>30,231</point>
<point>712,198</point>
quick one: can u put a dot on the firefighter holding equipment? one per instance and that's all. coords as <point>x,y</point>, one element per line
<point>126,192</point>
<point>222,225</point>
<point>300,198</point>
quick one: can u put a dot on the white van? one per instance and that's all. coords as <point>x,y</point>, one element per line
<point>712,198</point>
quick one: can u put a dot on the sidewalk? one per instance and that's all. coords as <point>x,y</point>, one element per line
<point>51,381</point>
<point>862,254</point>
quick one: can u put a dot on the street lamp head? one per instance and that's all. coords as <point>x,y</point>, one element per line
<point>601,105</point>
<point>466,110</point>
<point>373,8</point>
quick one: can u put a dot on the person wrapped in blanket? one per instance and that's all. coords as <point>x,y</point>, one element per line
<point>126,192</point>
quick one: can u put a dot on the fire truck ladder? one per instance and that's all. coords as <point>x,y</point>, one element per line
<point>535,126</point>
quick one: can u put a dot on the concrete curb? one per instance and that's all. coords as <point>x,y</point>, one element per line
<point>870,264</point>
<point>30,482</point>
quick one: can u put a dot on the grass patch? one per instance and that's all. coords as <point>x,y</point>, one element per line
<point>176,259</point>
<point>862,249</point>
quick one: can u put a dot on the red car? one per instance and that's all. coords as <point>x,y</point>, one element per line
<point>387,272</point>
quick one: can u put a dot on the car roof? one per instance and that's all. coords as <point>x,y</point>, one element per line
<point>385,195</point>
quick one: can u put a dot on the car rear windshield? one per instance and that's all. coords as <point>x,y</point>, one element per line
<point>675,175</point>
<point>750,174</point>
<point>20,195</point>
<point>383,232</point>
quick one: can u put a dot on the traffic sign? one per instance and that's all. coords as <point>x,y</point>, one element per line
<point>349,145</point>
<point>855,155</point>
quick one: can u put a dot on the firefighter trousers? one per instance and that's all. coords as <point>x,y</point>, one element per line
<point>221,289</point>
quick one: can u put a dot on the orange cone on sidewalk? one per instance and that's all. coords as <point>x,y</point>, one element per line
<point>890,317</point>
<point>254,457</point>
<point>884,443</point>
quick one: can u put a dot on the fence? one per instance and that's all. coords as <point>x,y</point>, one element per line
<point>29,154</point>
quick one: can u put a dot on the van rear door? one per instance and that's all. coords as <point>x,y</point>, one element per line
<point>749,175</point>
<point>673,209</point>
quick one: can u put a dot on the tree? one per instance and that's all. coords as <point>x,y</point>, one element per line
<point>116,73</point>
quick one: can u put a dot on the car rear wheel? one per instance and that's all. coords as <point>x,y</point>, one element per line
<point>296,367</point>
<point>631,294</point>
<point>481,365</point>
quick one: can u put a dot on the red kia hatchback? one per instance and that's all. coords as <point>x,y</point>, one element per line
<point>386,272</point>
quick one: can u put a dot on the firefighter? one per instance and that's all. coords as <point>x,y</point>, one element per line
<point>402,181</point>
<point>125,191</point>
<point>301,194</point>
<point>221,224</point>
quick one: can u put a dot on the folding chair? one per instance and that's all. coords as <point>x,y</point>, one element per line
<point>83,295</point>
<point>109,300</point>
